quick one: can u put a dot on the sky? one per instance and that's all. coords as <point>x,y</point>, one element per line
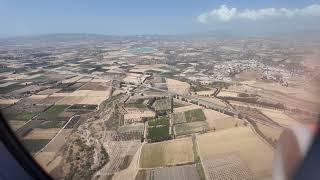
<point>132,17</point>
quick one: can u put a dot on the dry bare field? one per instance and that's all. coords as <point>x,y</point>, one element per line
<point>279,117</point>
<point>47,160</point>
<point>291,96</point>
<point>70,100</point>
<point>312,60</point>
<point>16,124</point>
<point>177,86</point>
<point>93,100</point>
<point>248,75</point>
<point>178,151</point>
<point>228,94</point>
<point>42,133</point>
<point>83,97</point>
<point>186,108</point>
<point>8,101</point>
<point>91,93</point>
<point>254,152</point>
<point>213,100</point>
<point>85,79</point>
<point>96,80</point>
<point>270,132</point>
<point>217,120</point>
<point>58,141</point>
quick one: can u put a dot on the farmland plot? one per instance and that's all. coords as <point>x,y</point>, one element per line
<point>48,91</point>
<point>14,125</point>
<point>178,118</point>
<point>56,144</point>
<point>189,128</point>
<point>38,133</point>
<point>117,151</point>
<point>186,108</point>
<point>217,120</point>
<point>178,86</point>
<point>279,117</point>
<point>173,152</point>
<point>95,86</point>
<point>186,172</point>
<point>52,113</point>
<point>226,166</point>
<point>194,115</point>
<point>242,140</point>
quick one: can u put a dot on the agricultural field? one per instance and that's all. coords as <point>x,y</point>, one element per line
<point>95,86</point>
<point>48,91</point>
<point>271,133</point>
<point>14,124</point>
<point>185,172</point>
<point>70,100</point>
<point>228,94</point>
<point>9,101</point>
<point>217,120</point>
<point>167,153</point>
<point>46,160</point>
<point>56,144</point>
<point>23,112</point>
<point>34,145</point>
<point>135,127</point>
<point>186,108</point>
<point>194,115</point>
<point>189,128</point>
<point>240,144</point>
<point>158,129</point>
<point>10,88</point>
<point>178,118</point>
<point>160,121</point>
<point>120,155</point>
<point>52,113</point>
<point>84,107</point>
<point>83,97</point>
<point>71,88</point>
<point>178,86</point>
<point>279,117</point>
<point>138,103</point>
<point>38,133</point>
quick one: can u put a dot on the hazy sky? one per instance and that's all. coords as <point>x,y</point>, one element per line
<point>31,17</point>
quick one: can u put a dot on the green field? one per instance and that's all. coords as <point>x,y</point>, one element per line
<point>195,115</point>
<point>52,113</point>
<point>12,87</point>
<point>200,88</point>
<point>160,121</point>
<point>51,124</point>
<point>137,103</point>
<point>26,115</point>
<point>34,145</point>
<point>176,105</point>
<point>83,107</point>
<point>158,133</point>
